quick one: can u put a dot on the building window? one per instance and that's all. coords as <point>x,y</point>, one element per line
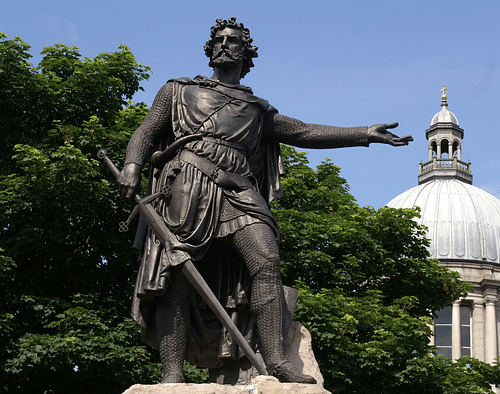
<point>443,331</point>
<point>465,317</point>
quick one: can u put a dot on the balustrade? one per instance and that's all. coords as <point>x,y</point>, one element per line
<point>445,163</point>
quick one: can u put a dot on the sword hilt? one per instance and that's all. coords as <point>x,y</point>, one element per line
<point>102,154</point>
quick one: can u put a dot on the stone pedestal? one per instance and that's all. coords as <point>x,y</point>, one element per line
<point>298,350</point>
<point>259,385</point>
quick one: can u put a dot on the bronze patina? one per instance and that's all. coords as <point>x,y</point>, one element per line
<point>216,169</point>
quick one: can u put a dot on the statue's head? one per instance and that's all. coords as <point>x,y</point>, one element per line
<point>248,52</point>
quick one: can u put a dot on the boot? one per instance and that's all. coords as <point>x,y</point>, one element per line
<point>270,325</point>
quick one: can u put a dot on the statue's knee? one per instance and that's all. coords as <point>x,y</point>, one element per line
<point>267,268</point>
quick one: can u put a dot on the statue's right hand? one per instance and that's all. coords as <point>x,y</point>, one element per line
<point>129,181</point>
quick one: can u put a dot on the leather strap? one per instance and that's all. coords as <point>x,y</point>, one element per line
<point>222,178</point>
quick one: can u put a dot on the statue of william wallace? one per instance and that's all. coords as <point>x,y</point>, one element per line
<point>217,188</point>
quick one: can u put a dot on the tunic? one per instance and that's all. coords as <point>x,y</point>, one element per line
<point>241,135</point>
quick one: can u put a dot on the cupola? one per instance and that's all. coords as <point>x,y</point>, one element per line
<point>445,148</point>
<point>463,221</point>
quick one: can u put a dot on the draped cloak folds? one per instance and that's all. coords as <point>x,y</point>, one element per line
<point>230,118</point>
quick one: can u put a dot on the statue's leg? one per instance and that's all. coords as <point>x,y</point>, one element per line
<point>259,248</point>
<point>172,322</point>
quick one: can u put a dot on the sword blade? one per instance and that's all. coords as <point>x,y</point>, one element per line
<point>208,296</point>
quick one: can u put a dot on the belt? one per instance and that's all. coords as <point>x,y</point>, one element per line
<point>222,178</point>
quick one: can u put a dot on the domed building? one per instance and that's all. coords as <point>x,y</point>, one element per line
<point>463,224</point>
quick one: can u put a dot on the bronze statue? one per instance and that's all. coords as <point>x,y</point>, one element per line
<point>216,186</point>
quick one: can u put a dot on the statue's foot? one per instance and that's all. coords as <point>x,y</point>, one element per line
<point>287,372</point>
<point>173,378</point>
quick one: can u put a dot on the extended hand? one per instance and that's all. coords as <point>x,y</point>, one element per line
<point>129,181</point>
<point>378,133</point>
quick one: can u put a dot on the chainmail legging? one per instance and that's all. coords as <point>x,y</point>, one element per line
<point>258,247</point>
<point>172,322</point>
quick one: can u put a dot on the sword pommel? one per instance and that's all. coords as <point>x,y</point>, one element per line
<point>102,154</point>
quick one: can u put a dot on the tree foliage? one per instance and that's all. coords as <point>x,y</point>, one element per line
<point>367,290</point>
<point>66,272</point>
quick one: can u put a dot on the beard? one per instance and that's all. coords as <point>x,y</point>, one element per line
<point>226,61</point>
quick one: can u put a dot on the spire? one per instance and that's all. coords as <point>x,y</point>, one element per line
<point>445,147</point>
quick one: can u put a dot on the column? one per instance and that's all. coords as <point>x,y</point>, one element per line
<point>478,330</point>
<point>439,150</point>
<point>497,314</point>
<point>456,332</point>
<point>432,339</point>
<point>490,328</point>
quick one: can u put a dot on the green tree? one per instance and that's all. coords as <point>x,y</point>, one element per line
<point>367,291</point>
<point>66,272</point>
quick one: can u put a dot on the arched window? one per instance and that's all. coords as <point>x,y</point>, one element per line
<point>434,149</point>
<point>445,149</point>
<point>455,148</point>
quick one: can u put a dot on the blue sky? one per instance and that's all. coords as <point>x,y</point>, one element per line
<point>328,62</point>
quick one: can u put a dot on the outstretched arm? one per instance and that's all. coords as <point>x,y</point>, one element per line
<point>294,132</point>
<point>142,142</point>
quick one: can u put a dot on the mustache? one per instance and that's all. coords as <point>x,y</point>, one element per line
<point>223,52</point>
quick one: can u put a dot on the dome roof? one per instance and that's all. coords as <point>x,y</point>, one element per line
<point>444,116</point>
<point>463,221</point>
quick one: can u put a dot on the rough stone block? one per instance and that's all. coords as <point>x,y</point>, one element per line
<point>258,385</point>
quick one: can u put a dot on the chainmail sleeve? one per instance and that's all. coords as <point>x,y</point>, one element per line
<point>156,125</point>
<point>294,132</point>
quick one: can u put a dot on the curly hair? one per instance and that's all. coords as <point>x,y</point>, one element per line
<point>249,50</point>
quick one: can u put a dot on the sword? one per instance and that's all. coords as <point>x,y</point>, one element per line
<point>157,225</point>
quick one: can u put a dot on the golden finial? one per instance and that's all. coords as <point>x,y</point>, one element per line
<point>444,97</point>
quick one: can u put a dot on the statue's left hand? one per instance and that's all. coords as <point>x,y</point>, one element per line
<point>378,133</point>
